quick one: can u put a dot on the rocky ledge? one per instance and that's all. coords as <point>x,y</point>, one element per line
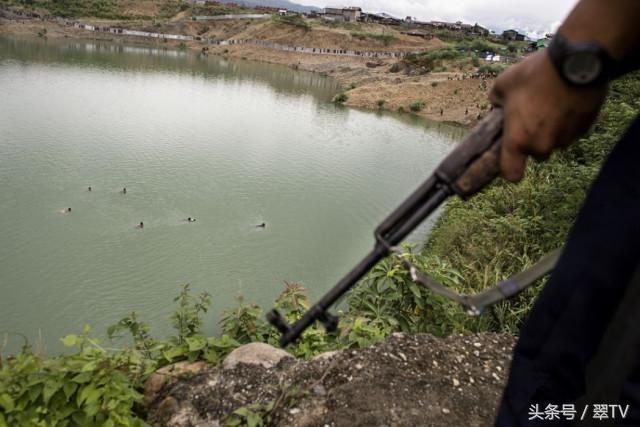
<point>404,381</point>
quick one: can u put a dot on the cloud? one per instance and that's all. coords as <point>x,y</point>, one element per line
<point>526,15</point>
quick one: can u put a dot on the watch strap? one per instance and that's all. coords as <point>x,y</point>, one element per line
<point>561,49</point>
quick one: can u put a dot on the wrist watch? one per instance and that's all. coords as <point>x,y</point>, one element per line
<point>581,64</point>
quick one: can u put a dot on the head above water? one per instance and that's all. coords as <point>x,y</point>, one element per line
<point>68,209</point>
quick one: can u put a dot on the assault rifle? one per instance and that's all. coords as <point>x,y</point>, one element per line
<point>467,170</point>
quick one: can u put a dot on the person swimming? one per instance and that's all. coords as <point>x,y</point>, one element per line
<point>140,226</point>
<point>124,190</point>
<point>89,189</point>
<point>191,219</point>
<point>263,225</point>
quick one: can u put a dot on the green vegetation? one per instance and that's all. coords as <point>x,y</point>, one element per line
<point>500,232</point>
<point>385,39</point>
<point>492,69</point>
<point>106,9</point>
<point>296,21</point>
<point>118,10</point>
<point>340,98</point>
<point>417,106</point>
<point>381,103</point>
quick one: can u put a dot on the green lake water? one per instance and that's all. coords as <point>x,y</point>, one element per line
<point>231,143</point>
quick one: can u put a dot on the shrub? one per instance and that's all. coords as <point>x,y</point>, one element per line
<point>417,106</point>
<point>434,84</point>
<point>296,21</point>
<point>340,98</point>
<point>401,109</point>
<point>381,103</point>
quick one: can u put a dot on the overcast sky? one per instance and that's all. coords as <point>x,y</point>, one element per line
<point>534,17</point>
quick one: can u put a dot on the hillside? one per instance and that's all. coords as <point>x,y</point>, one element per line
<point>443,86</point>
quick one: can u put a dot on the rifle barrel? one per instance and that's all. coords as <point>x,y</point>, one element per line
<point>420,212</point>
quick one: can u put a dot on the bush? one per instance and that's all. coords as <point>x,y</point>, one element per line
<point>434,84</point>
<point>417,106</point>
<point>340,98</point>
<point>381,103</point>
<point>296,21</point>
<point>492,69</point>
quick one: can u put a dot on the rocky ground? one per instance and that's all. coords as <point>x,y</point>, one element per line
<point>405,381</point>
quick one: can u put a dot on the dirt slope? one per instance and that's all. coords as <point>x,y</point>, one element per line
<point>405,381</point>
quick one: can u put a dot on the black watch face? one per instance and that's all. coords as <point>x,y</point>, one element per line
<point>582,68</point>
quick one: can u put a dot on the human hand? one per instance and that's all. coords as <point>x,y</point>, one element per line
<point>541,112</point>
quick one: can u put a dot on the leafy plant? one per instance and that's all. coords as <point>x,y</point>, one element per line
<point>186,319</point>
<point>90,387</point>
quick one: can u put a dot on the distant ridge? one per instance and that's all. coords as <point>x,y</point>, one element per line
<point>284,4</point>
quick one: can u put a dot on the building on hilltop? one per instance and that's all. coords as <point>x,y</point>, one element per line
<point>480,30</point>
<point>381,18</point>
<point>512,35</point>
<point>345,14</point>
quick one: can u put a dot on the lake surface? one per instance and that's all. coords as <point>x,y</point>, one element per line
<point>231,143</point>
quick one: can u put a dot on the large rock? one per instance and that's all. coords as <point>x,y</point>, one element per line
<point>255,354</point>
<point>168,375</point>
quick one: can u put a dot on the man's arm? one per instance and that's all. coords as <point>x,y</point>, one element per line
<point>542,112</point>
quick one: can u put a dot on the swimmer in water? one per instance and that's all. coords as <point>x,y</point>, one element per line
<point>89,188</point>
<point>68,210</point>
<point>140,226</point>
<point>124,190</point>
<point>191,219</point>
<point>263,225</point>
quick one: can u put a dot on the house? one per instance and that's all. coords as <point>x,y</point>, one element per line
<point>479,30</point>
<point>282,12</point>
<point>352,14</point>
<point>512,35</point>
<point>333,14</point>
<point>381,18</point>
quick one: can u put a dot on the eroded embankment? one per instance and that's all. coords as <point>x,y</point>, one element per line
<point>404,381</point>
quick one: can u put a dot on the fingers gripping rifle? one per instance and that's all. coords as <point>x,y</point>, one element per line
<point>468,169</point>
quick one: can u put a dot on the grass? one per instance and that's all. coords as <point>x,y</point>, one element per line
<point>296,21</point>
<point>385,39</point>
